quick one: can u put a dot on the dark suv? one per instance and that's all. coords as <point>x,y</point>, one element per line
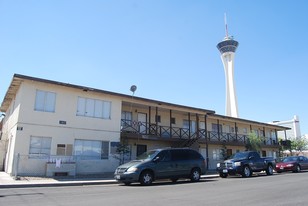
<point>169,163</point>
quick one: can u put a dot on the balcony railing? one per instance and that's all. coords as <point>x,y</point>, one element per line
<point>184,133</point>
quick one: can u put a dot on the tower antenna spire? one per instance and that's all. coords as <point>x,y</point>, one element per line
<point>226,26</point>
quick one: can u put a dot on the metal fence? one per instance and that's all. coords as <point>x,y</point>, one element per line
<point>54,165</point>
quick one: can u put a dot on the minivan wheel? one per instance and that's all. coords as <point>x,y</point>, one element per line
<point>195,175</point>
<point>146,178</point>
<point>174,180</point>
<point>223,175</point>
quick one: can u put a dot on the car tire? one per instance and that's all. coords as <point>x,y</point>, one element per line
<point>146,178</point>
<point>127,183</point>
<point>269,170</point>
<point>297,169</point>
<point>195,175</point>
<point>246,171</point>
<point>223,175</point>
<point>174,180</point>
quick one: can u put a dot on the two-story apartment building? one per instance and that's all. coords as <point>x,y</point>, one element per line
<point>55,128</point>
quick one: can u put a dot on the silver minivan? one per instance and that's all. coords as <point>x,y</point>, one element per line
<point>168,163</point>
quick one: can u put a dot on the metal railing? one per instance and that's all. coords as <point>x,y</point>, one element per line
<point>185,133</point>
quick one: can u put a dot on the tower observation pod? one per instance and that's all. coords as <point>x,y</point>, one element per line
<point>227,50</point>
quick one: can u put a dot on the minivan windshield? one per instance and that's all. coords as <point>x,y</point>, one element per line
<point>147,155</point>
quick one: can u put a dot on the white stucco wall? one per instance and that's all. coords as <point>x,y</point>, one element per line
<point>46,124</point>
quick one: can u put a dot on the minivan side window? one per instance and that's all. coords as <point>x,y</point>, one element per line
<point>164,156</point>
<point>179,155</point>
<point>193,155</point>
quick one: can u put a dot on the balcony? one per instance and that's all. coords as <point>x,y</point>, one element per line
<point>134,129</point>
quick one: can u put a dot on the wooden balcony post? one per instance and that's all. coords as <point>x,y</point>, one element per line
<point>206,143</point>
<point>265,139</point>
<point>156,123</point>
<point>218,127</point>
<point>197,120</point>
<point>149,120</point>
<point>235,131</point>
<point>189,127</point>
<point>170,123</point>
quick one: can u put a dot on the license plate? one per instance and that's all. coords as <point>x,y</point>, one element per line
<point>281,168</point>
<point>225,171</point>
<point>117,177</point>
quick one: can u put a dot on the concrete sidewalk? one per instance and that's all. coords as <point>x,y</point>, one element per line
<point>7,181</point>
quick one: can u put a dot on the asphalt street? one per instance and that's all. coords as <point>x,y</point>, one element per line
<point>279,189</point>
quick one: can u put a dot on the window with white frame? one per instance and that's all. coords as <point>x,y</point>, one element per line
<point>39,146</point>
<point>192,125</point>
<point>91,149</point>
<point>217,154</point>
<point>65,149</point>
<point>93,108</point>
<point>227,129</point>
<point>202,125</point>
<point>45,101</point>
<point>216,127</point>
<point>126,118</point>
<point>273,135</point>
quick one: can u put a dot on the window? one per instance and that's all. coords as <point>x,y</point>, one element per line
<point>245,130</point>
<point>192,125</point>
<point>114,147</point>
<point>232,130</point>
<point>93,108</point>
<point>91,149</point>
<point>45,101</point>
<point>65,149</point>
<point>40,146</point>
<point>256,132</point>
<point>157,118</point>
<point>126,118</point>
<point>202,125</point>
<point>227,129</point>
<point>216,127</point>
<point>179,155</point>
<point>229,152</point>
<point>164,156</point>
<point>217,154</point>
<point>172,120</point>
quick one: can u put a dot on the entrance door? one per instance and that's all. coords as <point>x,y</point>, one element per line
<point>142,122</point>
<point>141,149</point>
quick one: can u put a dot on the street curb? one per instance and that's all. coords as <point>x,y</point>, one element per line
<point>74,183</point>
<point>57,184</point>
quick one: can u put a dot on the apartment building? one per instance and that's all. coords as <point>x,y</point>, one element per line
<point>54,128</point>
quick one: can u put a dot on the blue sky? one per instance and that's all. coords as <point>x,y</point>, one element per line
<point>165,47</point>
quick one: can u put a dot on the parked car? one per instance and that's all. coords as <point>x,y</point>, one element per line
<point>292,163</point>
<point>168,163</point>
<point>245,163</point>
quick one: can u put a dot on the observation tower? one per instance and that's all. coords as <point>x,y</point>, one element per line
<point>227,50</point>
